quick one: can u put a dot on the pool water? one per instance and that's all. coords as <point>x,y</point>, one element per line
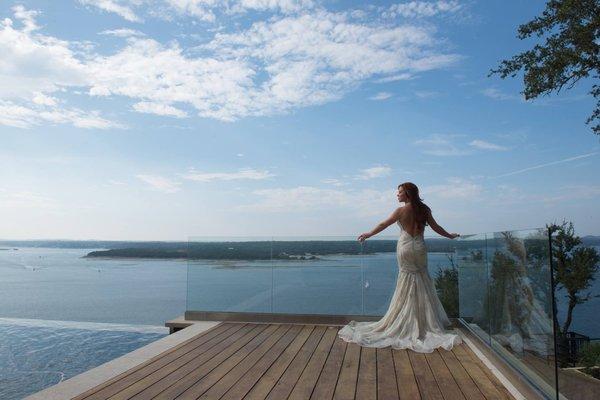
<point>36,354</point>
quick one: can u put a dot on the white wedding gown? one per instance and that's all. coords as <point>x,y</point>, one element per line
<point>415,318</point>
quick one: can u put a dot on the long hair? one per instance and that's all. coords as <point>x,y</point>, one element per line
<point>420,210</point>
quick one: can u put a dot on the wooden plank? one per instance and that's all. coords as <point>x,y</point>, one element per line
<point>262,388</point>
<point>230,378</point>
<point>307,381</point>
<point>479,377</point>
<point>204,340</point>
<point>155,382</point>
<point>327,381</point>
<point>387,386</point>
<point>346,384</point>
<point>288,380</point>
<point>203,378</point>
<point>501,388</point>
<point>405,376</point>
<point>366,387</point>
<point>443,377</point>
<point>427,385</point>
<point>245,384</point>
<point>172,384</point>
<point>462,378</point>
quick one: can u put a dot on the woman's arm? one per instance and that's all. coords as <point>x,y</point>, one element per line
<point>438,229</point>
<point>382,225</point>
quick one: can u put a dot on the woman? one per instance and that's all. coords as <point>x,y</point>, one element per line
<point>415,318</point>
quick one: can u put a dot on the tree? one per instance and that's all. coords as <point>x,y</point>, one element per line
<point>571,51</point>
<point>575,267</point>
<point>446,284</point>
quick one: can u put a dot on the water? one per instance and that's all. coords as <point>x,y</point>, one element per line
<point>35,354</point>
<point>42,290</point>
<point>57,284</point>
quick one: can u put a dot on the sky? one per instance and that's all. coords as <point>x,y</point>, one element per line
<point>173,119</point>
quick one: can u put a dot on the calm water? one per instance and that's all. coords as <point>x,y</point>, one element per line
<point>40,289</point>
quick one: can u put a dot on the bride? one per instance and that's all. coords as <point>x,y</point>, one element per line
<point>415,318</point>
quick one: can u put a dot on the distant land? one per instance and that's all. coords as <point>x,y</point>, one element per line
<point>249,250</point>
<point>263,250</point>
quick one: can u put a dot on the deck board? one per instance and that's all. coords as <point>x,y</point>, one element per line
<point>294,361</point>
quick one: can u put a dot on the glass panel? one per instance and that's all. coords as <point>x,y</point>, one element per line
<point>230,274</point>
<point>317,275</point>
<point>578,350</point>
<point>380,273</point>
<point>471,259</point>
<point>506,299</point>
<point>521,304</point>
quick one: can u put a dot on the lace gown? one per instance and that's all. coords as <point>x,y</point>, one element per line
<point>415,318</point>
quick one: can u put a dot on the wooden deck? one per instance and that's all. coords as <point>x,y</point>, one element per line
<point>289,361</point>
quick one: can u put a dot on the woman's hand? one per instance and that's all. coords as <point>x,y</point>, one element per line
<point>454,235</point>
<point>364,236</point>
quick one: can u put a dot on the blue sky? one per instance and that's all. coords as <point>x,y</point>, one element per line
<point>165,119</point>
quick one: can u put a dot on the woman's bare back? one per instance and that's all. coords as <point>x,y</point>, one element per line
<point>408,223</point>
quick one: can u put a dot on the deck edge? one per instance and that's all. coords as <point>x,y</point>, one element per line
<point>81,383</point>
<point>515,384</point>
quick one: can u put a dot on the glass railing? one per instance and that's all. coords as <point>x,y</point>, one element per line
<point>325,275</point>
<point>498,285</point>
<point>505,297</point>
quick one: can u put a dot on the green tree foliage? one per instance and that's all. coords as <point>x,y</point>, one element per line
<point>575,267</point>
<point>589,357</point>
<point>571,51</point>
<point>446,285</point>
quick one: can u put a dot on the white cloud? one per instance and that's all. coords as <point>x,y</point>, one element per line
<point>204,10</point>
<point>44,100</point>
<point>25,98</point>
<point>427,94</point>
<point>160,183</point>
<point>381,96</point>
<point>377,171</point>
<point>19,116</point>
<point>27,18</point>
<point>509,194</point>
<point>314,58</point>
<point>286,6</point>
<point>246,173</point>
<point>309,198</point>
<point>455,188</point>
<point>544,165</point>
<point>12,199</point>
<point>159,109</point>
<point>416,9</point>
<point>122,32</point>
<point>272,67</point>
<point>51,64</point>
<point>201,9</point>
<point>333,181</point>
<point>496,94</point>
<point>482,144</point>
<point>399,77</point>
<point>124,8</point>
<point>441,145</point>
